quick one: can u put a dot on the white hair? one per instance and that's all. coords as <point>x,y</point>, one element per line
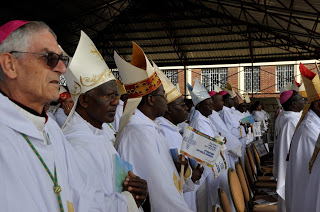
<point>19,39</point>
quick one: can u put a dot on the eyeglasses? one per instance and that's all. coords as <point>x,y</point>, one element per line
<point>163,95</point>
<point>52,58</point>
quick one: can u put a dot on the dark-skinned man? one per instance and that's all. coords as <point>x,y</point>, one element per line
<point>200,121</point>
<point>297,197</point>
<point>232,121</point>
<point>176,113</point>
<point>140,140</point>
<point>233,144</point>
<point>292,103</point>
<point>96,99</point>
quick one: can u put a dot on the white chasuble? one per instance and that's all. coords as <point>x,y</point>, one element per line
<point>233,144</point>
<point>174,139</point>
<point>204,125</point>
<point>25,183</point>
<point>297,175</point>
<point>232,122</point>
<point>96,151</point>
<point>287,124</point>
<point>144,146</point>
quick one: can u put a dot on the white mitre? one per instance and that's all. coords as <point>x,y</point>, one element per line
<point>198,92</point>
<point>86,71</point>
<point>173,92</point>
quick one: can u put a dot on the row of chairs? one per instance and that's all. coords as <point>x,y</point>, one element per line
<point>252,187</point>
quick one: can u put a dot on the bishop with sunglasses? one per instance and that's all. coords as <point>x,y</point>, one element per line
<point>37,165</point>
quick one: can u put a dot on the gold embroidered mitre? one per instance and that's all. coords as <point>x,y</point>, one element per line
<point>173,92</point>
<point>138,76</point>
<point>87,69</point>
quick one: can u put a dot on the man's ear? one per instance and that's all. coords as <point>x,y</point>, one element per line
<point>83,100</point>
<point>8,65</point>
<point>150,100</point>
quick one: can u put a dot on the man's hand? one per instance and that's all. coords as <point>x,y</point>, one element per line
<point>180,162</point>
<point>137,187</point>
<point>197,173</point>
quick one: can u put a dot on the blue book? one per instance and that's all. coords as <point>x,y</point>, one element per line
<point>121,169</point>
<point>248,119</point>
<point>174,154</point>
<point>193,163</point>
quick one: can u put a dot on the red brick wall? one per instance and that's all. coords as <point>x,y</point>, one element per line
<point>195,73</point>
<point>267,81</point>
<point>181,81</point>
<point>233,78</point>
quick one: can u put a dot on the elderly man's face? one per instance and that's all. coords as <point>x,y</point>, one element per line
<point>102,102</point>
<point>37,81</point>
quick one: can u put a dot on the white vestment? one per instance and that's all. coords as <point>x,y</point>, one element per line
<point>143,145</point>
<point>312,196</point>
<point>204,125</point>
<point>25,183</point>
<point>233,144</point>
<point>287,123</point>
<point>117,117</point>
<point>232,122</point>
<point>96,151</point>
<point>174,139</point>
<point>60,116</point>
<point>297,175</point>
<point>260,116</point>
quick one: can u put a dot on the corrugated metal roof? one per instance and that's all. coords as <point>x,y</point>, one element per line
<point>184,32</point>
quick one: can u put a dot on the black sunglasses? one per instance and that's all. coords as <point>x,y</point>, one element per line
<point>52,58</point>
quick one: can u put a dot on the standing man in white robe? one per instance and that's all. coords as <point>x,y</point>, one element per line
<point>303,144</point>
<point>31,63</point>
<point>200,121</point>
<point>140,140</point>
<point>233,144</point>
<point>232,122</point>
<point>176,113</point>
<point>292,103</point>
<point>86,129</point>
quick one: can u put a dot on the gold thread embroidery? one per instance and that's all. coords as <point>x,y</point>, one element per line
<point>76,89</point>
<point>70,206</point>
<point>96,52</point>
<point>87,81</point>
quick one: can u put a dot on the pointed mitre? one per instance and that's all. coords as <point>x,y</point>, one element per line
<point>138,77</point>
<point>121,88</point>
<point>86,71</point>
<point>246,98</point>
<point>198,92</point>
<point>300,88</point>
<point>241,99</point>
<point>311,83</point>
<point>229,89</point>
<point>173,92</point>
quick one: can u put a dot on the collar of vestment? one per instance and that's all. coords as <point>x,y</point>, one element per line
<point>163,121</point>
<point>19,119</point>
<point>226,108</point>
<point>297,114</point>
<point>142,120</point>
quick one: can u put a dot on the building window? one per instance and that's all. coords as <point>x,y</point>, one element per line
<point>62,80</point>
<point>116,73</point>
<point>285,74</point>
<point>214,76</point>
<point>172,75</point>
<point>248,79</point>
